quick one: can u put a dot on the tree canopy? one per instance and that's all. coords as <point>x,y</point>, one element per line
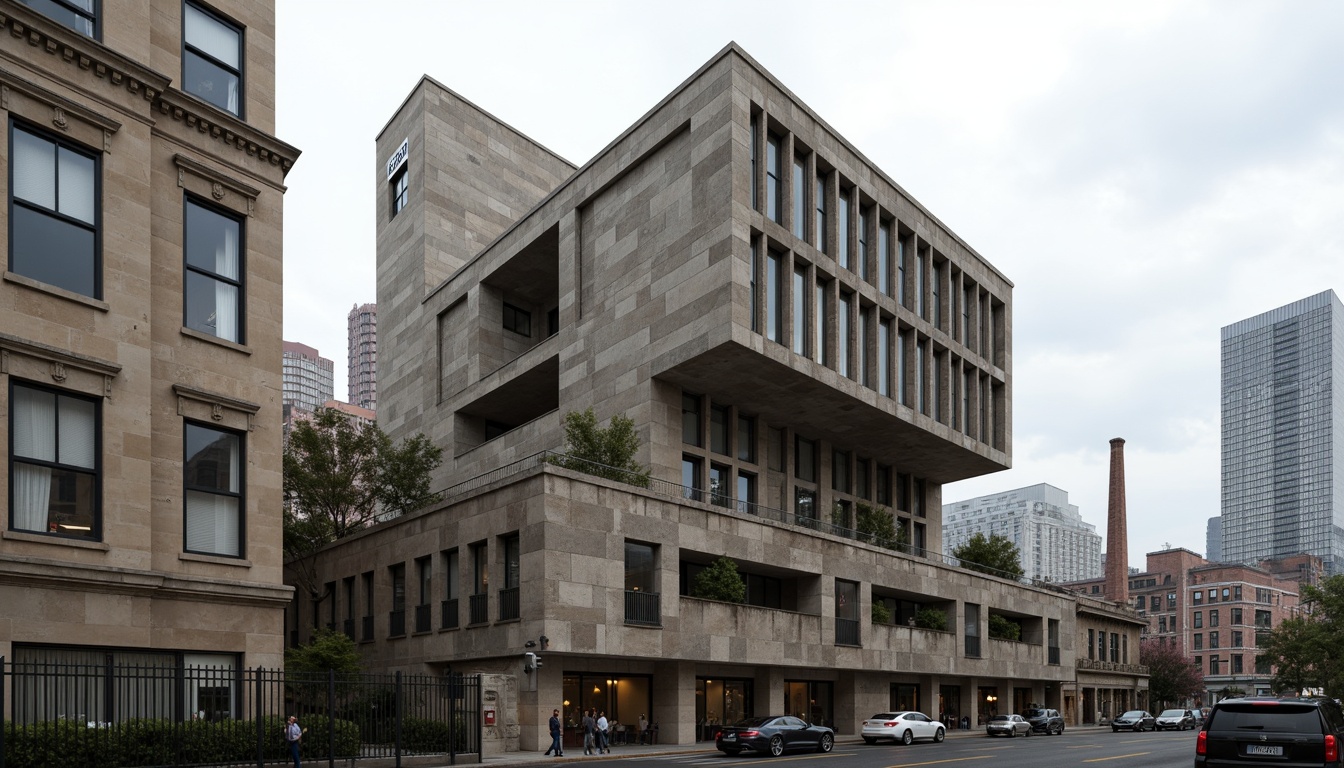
<point>876,525</point>
<point>339,477</point>
<point>608,452</point>
<point>1173,677</point>
<point>327,650</point>
<point>1304,650</point>
<point>995,555</point>
<point>720,581</point>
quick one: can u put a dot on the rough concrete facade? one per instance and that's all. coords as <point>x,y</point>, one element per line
<point>129,581</point>
<point>658,282</point>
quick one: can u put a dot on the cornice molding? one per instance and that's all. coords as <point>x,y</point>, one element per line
<point>61,106</point>
<point>30,573</point>
<point>156,88</point>
<point>216,402</point>
<point>218,181</point>
<point>58,358</point>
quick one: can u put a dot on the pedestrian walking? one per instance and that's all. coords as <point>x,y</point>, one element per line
<point>556,731</point>
<point>589,726</point>
<point>293,735</point>
<point>603,745</point>
<point>643,728</point>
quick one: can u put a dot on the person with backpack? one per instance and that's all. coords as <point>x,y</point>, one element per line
<point>293,734</point>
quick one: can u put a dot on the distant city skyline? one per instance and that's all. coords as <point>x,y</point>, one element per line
<point>1053,540</point>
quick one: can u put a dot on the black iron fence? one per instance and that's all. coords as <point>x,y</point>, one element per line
<point>846,631</point>
<point>125,716</point>
<point>509,607</point>
<point>643,608</point>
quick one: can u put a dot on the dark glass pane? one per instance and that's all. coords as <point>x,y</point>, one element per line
<point>204,305</point>
<point>212,241</point>
<point>64,13</point>
<point>212,459</point>
<point>53,251</point>
<point>206,80</point>
<point>51,500</point>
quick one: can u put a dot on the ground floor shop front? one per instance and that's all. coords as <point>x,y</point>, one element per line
<point>685,702</point>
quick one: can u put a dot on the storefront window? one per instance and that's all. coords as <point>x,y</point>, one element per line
<point>810,700</point>
<point>623,697</point>
<point>719,702</point>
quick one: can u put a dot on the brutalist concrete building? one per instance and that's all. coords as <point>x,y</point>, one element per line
<point>796,339</point>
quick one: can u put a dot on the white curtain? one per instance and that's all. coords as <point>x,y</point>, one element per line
<point>226,294</point>
<point>213,521</point>
<point>34,415</point>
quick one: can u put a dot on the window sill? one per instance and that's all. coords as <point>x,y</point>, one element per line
<point>60,293</point>
<point>196,557</point>
<point>195,334</point>
<point>60,541</point>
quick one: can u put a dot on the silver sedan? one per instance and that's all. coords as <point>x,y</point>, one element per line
<point>1007,725</point>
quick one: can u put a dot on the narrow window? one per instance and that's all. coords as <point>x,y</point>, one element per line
<point>884,358</point>
<point>921,362</point>
<point>882,484</point>
<point>902,295</point>
<point>884,259</point>
<point>400,187</point>
<point>755,149</point>
<point>821,313</point>
<point>842,233</point>
<point>937,291</point>
<point>690,420</point>
<point>799,198</point>
<point>397,617</point>
<point>692,477</point>
<point>746,492</point>
<point>862,255</point>
<point>54,213</point>
<point>865,320</point>
<point>54,469</point>
<point>800,323</point>
<point>820,234</point>
<point>214,285</point>
<point>936,385</point>
<point>213,487</point>
<point>720,485</point>
<point>846,300</point>
<point>517,320</point>
<point>900,370</point>
<point>773,207</point>
<point>966,299</point>
<point>840,471</point>
<point>861,478</point>
<point>755,271</point>
<point>774,304</point>
<point>718,429</point>
<point>212,59</point>
<point>806,460</point>
<point>920,308</point>
<point>746,439</point>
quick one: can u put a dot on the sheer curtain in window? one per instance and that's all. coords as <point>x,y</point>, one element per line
<point>34,415</point>
<point>212,520</point>
<point>226,294</point>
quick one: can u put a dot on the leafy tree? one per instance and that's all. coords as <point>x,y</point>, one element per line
<point>338,477</point>
<point>876,525</point>
<point>720,581</point>
<point>931,618</point>
<point>995,555</point>
<point>1004,628</point>
<point>1295,650</point>
<point>608,453</point>
<point>327,650</point>
<point>1173,677</point>
<point>881,613</point>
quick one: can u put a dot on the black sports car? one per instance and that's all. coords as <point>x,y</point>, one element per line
<point>773,735</point>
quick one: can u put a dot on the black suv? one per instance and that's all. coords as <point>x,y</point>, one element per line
<point>1045,721</point>
<point>1287,732</point>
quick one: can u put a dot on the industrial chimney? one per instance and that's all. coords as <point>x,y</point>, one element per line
<point>1117,546</point>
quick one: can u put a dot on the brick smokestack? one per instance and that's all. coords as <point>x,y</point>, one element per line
<point>1117,545</point>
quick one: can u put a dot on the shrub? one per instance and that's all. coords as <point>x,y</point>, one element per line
<point>720,581</point>
<point>1004,628</point>
<point>931,618</point>
<point>881,613</point>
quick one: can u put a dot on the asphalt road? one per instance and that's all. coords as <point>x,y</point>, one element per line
<point>1077,748</point>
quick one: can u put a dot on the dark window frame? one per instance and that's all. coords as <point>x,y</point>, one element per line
<point>400,188</point>
<point>240,72</point>
<point>96,534</point>
<point>240,282</point>
<point>94,15</point>
<point>517,320</point>
<point>60,143</point>
<point>240,494</point>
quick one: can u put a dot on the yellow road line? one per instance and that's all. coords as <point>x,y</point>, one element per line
<point>1116,757</point>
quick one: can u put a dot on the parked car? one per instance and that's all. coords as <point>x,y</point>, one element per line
<point>1047,721</point>
<point>904,727</point>
<point>1136,720</point>
<point>1176,719</point>
<point>1007,725</point>
<point>1289,732</point>
<point>773,735</point>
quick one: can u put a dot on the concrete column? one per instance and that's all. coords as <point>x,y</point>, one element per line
<point>674,702</point>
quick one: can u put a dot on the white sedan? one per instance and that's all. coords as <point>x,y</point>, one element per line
<point>904,727</point>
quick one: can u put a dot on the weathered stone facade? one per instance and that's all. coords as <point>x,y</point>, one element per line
<point>660,282</point>
<point>122,576</point>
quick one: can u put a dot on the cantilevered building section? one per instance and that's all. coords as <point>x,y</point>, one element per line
<point>1283,388</point>
<point>798,342</point>
<point>1051,537</point>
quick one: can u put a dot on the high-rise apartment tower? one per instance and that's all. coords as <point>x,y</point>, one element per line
<point>308,379</point>
<point>362,323</point>
<point>1055,544</point>
<point>1283,377</point>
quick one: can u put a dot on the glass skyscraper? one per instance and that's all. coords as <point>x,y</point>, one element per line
<point>1282,381</point>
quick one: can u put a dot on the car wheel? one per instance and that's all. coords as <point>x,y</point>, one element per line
<point>1115,730</point>
<point>1029,730</point>
<point>1060,732</point>
<point>826,743</point>
<point>869,740</point>
<point>776,746</point>
<point>1012,733</point>
<point>938,736</point>
<point>907,738</point>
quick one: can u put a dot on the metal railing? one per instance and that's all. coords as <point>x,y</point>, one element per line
<point>972,647</point>
<point>170,715</point>
<point>396,623</point>
<point>450,613</point>
<point>643,608</point>
<point>1054,654</point>
<point>508,603</point>
<point>366,629</point>
<point>846,631</point>
<point>479,608</point>
<point>422,622</point>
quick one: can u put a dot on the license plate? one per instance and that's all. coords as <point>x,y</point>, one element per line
<point>1264,749</point>
<point>730,737</point>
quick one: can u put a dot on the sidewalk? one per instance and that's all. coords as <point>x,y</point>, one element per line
<point>620,751</point>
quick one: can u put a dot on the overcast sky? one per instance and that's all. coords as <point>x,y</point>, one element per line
<point>1144,173</point>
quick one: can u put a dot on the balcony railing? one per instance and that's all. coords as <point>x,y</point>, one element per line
<point>972,647</point>
<point>479,607</point>
<point>450,614</point>
<point>508,604</point>
<point>846,631</point>
<point>1054,655</point>
<point>643,608</point>
<point>396,623</point>
<point>422,622</point>
<point>348,627</point>
<point>366,629</point>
